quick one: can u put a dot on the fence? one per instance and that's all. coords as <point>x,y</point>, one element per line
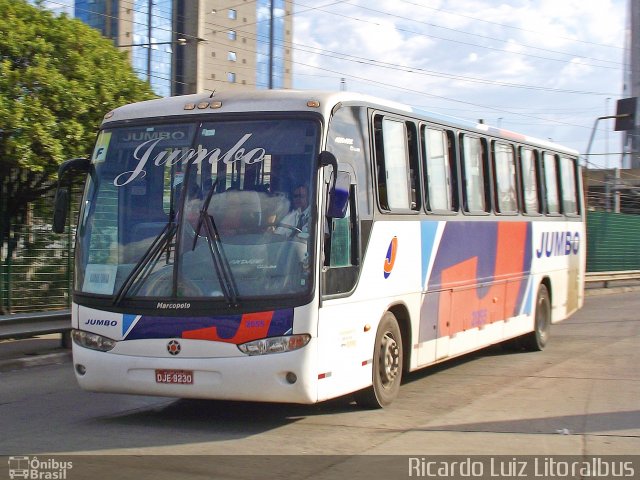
<point>38,275</point>
<point>613,242</point>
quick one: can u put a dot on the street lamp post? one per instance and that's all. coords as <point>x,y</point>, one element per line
<point>593,132</point>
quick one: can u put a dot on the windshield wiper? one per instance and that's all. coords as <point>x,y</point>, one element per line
<point>220,260</point>
<point>147,262</point>
<point>143,268</point>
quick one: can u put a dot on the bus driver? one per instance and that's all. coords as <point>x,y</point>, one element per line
<point>299,216</point>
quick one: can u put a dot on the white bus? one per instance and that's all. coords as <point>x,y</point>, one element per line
<point>290,246</point>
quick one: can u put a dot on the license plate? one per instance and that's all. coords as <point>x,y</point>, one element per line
<point>181,377</point>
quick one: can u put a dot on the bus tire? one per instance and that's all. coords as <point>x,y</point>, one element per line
<point>387,366</point>
<point>537,340</point>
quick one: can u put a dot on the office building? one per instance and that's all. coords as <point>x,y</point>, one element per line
<point>631,87</point>
<point>188,46</point>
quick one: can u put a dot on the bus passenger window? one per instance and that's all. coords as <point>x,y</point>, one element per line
<point>529,181</point>
<point>438,171</point>
<point>473,171</point>
<point>569,189</point>
<point>394,186</point>
<point>551,183</point>
<point>505,178</point>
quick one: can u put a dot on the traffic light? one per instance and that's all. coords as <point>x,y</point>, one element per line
<point>626,114</point>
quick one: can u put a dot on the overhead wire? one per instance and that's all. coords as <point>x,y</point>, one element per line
<point>410,69</point>
<point>387,65</point>
<point>475,45</point>
<point>374,63</point>
<point>504,25</point>
<point>464,32</point>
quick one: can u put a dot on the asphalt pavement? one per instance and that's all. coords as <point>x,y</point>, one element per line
<point>31,352</point>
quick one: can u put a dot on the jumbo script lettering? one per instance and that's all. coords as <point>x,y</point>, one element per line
<point>145,151</point>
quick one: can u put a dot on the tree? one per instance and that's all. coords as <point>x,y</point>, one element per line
<point>58,77</point>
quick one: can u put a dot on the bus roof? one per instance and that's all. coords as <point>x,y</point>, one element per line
<point>321,102</point>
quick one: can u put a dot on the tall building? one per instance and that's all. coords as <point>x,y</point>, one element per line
<point>58,6</point>
<point>188,46</point>
<point>631,88</point>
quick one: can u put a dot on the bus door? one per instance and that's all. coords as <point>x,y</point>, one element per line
<point>340,319</point>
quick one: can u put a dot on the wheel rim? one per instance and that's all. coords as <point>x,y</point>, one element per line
<point>390,360</point>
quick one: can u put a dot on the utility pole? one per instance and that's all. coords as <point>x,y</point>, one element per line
<point>612,187</point>
<point>606,138</point>
<point>271,37</point>
<point>149,31</point>
<point>631,80</point>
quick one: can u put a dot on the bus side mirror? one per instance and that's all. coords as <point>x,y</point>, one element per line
<point>339,190</point>
<point>61,204</point>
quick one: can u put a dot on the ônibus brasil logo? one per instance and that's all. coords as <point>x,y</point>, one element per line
<point>28,467</point>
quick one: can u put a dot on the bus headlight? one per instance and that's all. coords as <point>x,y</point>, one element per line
<point>275,344</point>
<point>92,341</point>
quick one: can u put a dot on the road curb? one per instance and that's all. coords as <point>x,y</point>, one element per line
<point>591,292</point>
<point>35,361</point>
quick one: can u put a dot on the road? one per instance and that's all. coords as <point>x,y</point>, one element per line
<point>581,396</point>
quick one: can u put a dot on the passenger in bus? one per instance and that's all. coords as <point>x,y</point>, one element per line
<point>236,212</point>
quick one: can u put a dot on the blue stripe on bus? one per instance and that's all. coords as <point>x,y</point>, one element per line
<point>428,231</point>
<point>223,327</point>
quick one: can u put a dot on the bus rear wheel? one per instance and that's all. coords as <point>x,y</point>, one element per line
<point>387,366</point>
<point>537,340</point>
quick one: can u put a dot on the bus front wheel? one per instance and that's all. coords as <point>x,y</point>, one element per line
<point>537,340</point>
<point>387,366</point>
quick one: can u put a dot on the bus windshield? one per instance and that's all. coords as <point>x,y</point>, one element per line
<point>206,210</point>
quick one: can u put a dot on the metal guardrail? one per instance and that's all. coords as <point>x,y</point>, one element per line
<point>610,279</point>
<point>23,325</point>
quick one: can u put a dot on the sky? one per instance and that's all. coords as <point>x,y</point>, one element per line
<point>545,68</point>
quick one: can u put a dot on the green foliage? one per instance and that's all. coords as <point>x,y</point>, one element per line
<point>58,77</point>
